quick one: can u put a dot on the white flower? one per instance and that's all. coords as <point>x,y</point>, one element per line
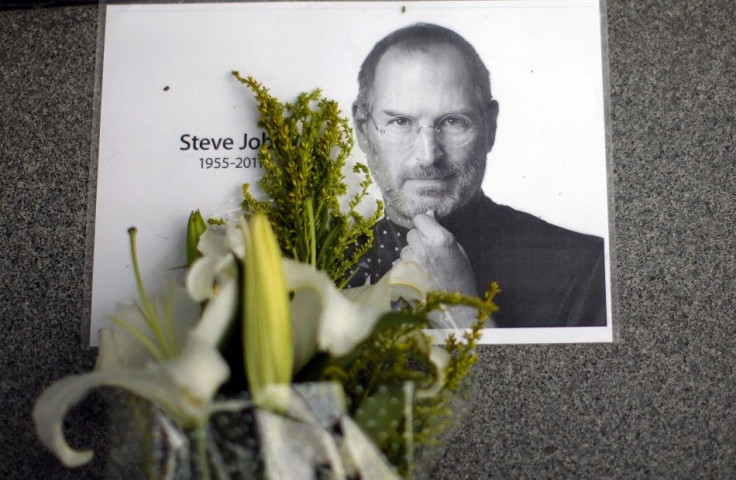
<point>217,264</point>
<point>182,384</point>
<point>336,321</point>
<point>213,278</point>
<point>324,318</point>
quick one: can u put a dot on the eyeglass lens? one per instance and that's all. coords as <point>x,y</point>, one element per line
<point>453,130</point>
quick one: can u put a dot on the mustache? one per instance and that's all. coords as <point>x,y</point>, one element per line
<point>430,172</point>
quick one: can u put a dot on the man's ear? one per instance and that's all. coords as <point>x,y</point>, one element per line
<point>360,121</point>
<point>489,124</point>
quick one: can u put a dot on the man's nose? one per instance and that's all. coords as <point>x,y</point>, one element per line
<point>427,148</point>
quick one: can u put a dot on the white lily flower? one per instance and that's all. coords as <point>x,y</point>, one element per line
<point>154,354</point>
<point>183,387</point>
<point>213,278</point>
<point>336,321</point>
<point>137,342</point>
<point>324,318</point>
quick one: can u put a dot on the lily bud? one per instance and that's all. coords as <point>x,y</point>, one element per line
<point>195,228</point>
<point>267,330</point>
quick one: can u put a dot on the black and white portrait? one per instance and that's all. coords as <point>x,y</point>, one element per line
<point>482,123</point>
<point>426,119</point>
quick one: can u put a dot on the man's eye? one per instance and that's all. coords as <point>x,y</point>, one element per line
<point>399,122</point>
<point>455,122</point>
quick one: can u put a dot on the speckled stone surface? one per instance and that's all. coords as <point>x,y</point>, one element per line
<point>657,404</point>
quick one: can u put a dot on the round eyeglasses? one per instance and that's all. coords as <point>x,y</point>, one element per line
<point>452,130</point>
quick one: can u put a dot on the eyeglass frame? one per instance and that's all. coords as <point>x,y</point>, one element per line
<point>435,128</point>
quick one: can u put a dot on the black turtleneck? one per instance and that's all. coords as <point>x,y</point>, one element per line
<point>549,276</point>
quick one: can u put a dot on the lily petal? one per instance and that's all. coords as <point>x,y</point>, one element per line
<point>196,375</point>
<point>407,280</point>
<point>201,278</point>
<point>441,360</point>
<point>218,314</point>
<point>304,326</point>
<point>176,313</point>
<point>126,349</point>
<point>234,240</point>
<point>183,387</point>
<point>339,322</point>
<point>212,243</point>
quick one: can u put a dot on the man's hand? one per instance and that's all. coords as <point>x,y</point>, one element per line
<point>432,246</point>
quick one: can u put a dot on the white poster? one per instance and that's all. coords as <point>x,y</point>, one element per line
<point>179,133</point>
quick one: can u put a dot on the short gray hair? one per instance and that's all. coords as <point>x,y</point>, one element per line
<point>423,37</point>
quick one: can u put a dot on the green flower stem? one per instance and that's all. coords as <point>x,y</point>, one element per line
<point>312,233</point>
<point>409,427</point>
<point>200,436</point>
<point>369,388</point>
<point>149,313</point>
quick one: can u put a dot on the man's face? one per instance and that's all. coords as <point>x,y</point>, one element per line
<point>421,89</point>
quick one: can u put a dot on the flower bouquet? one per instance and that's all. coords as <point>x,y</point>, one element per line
<point>263,364</point>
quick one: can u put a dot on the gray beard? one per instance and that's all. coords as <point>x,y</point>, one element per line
<point>468,182</point>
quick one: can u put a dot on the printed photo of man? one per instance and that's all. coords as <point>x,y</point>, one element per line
<point>426,120</point>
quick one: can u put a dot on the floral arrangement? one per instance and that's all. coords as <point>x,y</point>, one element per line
<point>265,325</point>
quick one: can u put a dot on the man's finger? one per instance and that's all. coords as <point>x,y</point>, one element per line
<point>413,237</point>
<point>428,227</point>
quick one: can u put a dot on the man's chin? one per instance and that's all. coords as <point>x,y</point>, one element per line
<point>441,205</point>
